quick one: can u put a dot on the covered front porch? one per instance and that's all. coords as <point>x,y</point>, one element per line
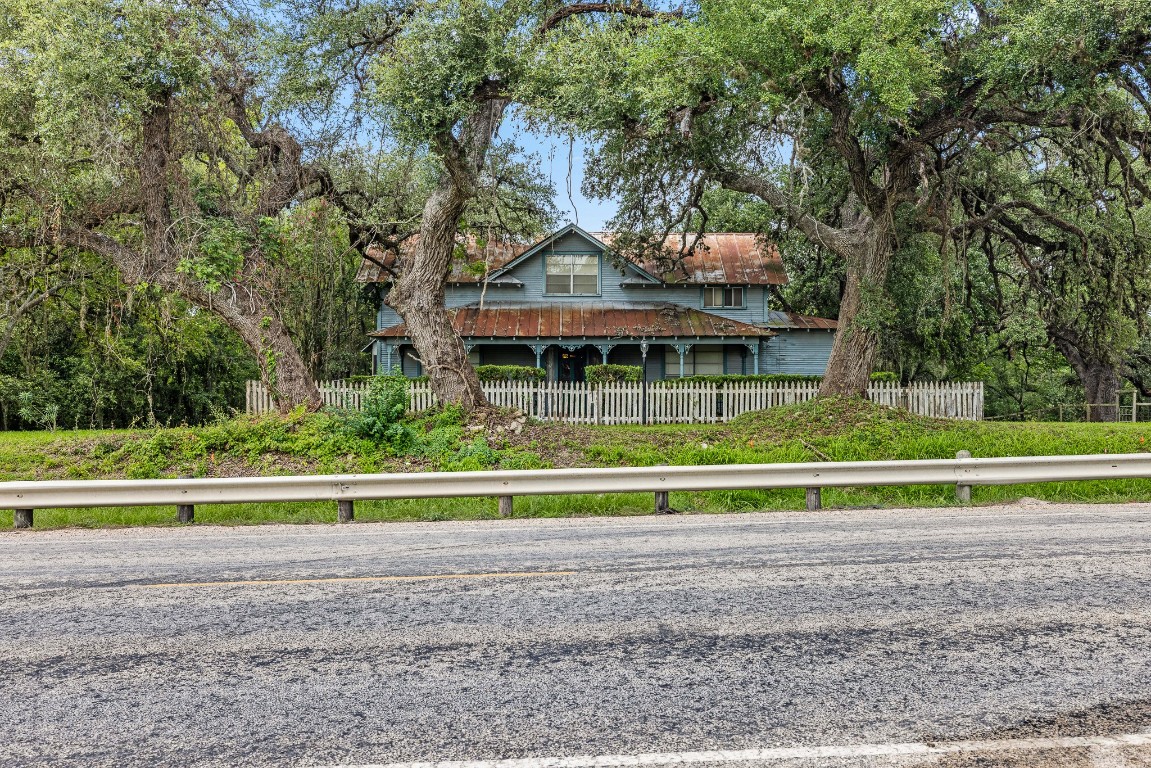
<point>567,361</point>
<point>666,341</point>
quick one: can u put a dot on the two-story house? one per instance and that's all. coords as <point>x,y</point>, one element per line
<point>564,303</point>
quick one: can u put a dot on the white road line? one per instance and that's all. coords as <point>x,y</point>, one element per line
<point>784,753</point>
<point>1106,757</point>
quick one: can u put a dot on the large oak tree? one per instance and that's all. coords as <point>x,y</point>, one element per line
<point>885,99</point>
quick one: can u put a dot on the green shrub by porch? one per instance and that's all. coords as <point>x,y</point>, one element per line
<point>609,373</point>
<point>510,373</point>
<point>730,378</point>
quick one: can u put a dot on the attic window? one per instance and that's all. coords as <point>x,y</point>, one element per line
<point>723,296</point>
<point>572,274</point>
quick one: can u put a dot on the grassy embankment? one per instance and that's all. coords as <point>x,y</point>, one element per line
<point>823,430</point>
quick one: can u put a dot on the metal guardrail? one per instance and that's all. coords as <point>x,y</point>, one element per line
<point>346,489</point>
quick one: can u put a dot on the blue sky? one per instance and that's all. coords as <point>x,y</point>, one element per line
<point>553,152</point>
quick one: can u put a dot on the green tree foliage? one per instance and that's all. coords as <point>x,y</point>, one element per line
<point>435,80</point>
<point>107,355</point>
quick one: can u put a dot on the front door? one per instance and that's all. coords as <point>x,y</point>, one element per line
<point>571,364</point>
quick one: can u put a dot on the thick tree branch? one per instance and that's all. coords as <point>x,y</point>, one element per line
<point>635,9</point>
<point>843,242</point>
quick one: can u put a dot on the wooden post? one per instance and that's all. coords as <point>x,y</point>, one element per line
<point>1134,404</point>
<point>185,513</point>
<point>345,511</point>
<point>814,499</point>
<point>963,492</point>
<point>21,518</point>
<point>662,507</point>
<point>505,506</point>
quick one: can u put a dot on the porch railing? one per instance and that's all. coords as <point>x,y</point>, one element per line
<point>659,402</point>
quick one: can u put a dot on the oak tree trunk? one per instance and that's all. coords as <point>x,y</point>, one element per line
<point>418,296</point>
<point>282,368</point>
<point>856,342</point>
<point>1100,378</point>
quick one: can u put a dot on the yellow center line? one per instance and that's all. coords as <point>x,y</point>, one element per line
<point>263,582</point>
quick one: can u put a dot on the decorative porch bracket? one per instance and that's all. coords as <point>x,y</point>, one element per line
<point>754,355</point>
<point>604,349</point>
<point>539,350</point>
<point>683,349</point>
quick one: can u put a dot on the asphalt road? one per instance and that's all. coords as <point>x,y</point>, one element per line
<point>860,638</point>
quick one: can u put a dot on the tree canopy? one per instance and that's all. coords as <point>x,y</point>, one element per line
<point>851,122</point>
<point>935,171</point>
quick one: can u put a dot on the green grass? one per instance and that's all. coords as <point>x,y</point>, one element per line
<point>839,430</point>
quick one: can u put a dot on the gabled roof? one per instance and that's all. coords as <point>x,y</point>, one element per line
<point>610,321</point>
<point>543,245</point>
<point>722,258</point>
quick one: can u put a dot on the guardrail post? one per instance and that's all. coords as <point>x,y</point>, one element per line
<point>345,511</point>
<point>662,506</point>
<point>505,506</point>
<point>814,499</point>
<point>185,513</point>
<point>963,492</point>
<point>21,518</point>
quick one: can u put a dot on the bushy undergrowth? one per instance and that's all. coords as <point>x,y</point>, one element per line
<point>381,413</point>
<point>299,443</point>
<point>778,378</point>
<point>510,373</point>
<point>609,372</point>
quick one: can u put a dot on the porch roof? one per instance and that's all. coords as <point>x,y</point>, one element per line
<point>559,321</point>
<point>777,319</point>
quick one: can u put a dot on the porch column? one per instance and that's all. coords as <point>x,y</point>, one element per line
<point>386,358</point>
<point>683,349</point>
<point>754,355</point>
<point>539,350</point>
<point>604,349</point>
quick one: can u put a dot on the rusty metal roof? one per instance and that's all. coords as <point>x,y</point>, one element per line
<point>802,322</point>
<point>559,321</point>
<point>720,258</point>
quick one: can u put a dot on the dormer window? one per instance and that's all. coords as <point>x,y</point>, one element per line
<point>723,297</point>
<point>573,274</point>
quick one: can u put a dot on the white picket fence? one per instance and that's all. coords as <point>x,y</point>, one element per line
<point>662,402</point>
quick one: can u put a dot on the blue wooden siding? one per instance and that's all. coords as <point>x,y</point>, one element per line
<point>796,351</point>
<point>531,274</point>
<point>572,242</point>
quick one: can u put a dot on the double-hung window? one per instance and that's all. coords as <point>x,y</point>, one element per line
<point>723,296</point>
<point>575,274</point>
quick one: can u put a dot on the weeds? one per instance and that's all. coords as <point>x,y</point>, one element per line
<point>835,429</point>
